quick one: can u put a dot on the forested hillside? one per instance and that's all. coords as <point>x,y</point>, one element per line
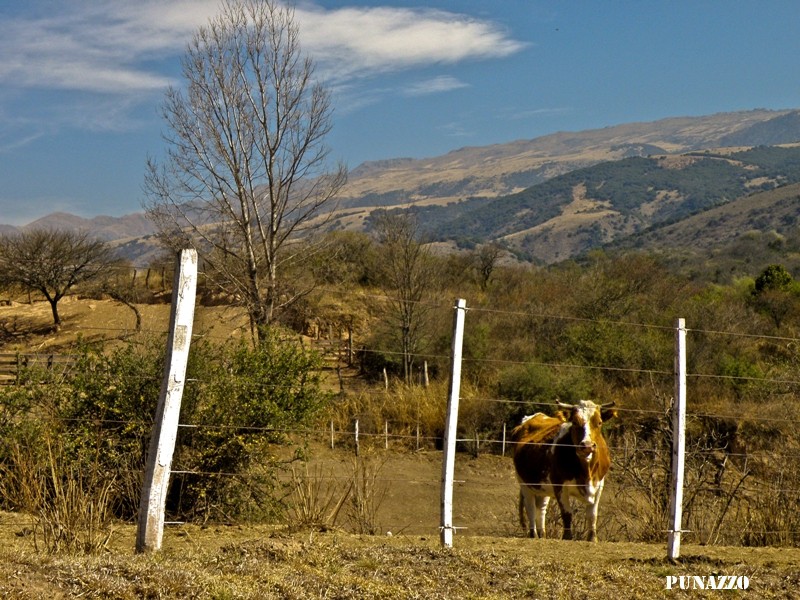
<point>592,207</point>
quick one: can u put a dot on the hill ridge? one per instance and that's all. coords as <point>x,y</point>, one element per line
<point>478,176</point>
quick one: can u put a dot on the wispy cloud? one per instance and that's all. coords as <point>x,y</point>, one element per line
<point>436,85</point>
<point>105,46</point>
<point>114,49</point>
<point>455,129</point>
<point>529,113</point>
<point>357,42</point>
<point>92,47</point>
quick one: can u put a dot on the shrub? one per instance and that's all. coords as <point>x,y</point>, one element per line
<point>237,400</point>
<point>244,398</point>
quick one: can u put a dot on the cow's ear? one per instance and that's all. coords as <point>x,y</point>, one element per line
<point>608,413</point>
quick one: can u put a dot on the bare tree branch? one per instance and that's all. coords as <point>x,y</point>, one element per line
<point>247,170</point>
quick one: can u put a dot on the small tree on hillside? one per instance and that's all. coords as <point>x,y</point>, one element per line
<point>408,273</point>
<point>52,262</point>
<point>775,294</point>
<point>486,258</point>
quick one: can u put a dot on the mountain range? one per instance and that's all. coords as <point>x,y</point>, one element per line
<point>555,197</point>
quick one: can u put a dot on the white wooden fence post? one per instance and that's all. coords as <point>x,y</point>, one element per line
<point>165,428</point>
<point>451,424</point>
<point>678,443</point>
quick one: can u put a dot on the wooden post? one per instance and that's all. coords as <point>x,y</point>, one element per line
<point>165,428</point>
<point>356,432</point>
<point>331,434</point>
<point>425,380</point>
<point>678,443</point>
<point>451,424</point>
<point>385,379</point>
<point>350,344</point>
<point>504,440</point>
<point>386,435</point>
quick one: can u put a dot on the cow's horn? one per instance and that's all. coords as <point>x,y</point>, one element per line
<point>563,405</point>
<point>608,404</point>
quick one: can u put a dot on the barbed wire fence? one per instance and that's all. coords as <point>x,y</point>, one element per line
<point>734,494</point>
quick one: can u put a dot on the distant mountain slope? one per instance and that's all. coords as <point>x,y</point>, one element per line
<point>773,132</point>
<point>495,192</point>
<point>103,227</point>
<point>597,205</point>
<point>501,169</point>
<point>775,212</point>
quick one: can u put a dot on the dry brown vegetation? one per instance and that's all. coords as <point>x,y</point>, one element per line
<point>737,494</point>
<point>268,562</point>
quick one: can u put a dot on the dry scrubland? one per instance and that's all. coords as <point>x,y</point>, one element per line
<point>490,559</point>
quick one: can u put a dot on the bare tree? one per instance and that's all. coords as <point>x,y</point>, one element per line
<point>52,262</point>
<point>409,275</point>
<point>246,174</point>
<point>486,258</point>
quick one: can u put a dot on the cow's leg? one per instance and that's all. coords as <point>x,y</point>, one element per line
<point>541,503</point>
<point>527,499</point>
<point>566,514</point>
<point>591,513</point>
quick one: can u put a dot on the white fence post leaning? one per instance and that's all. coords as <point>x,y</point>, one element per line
<point>451,424</point>
<point>678,443</point>
<point>165,428</point>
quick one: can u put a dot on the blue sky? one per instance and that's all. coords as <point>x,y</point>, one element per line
<point>81,81</point>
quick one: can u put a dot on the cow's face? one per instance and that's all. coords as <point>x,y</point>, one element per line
<point>586,418</point>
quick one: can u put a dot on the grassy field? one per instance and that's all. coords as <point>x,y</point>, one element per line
<point>490,557</point>
<point>261,562</point>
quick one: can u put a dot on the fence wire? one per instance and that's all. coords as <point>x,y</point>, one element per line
<point>747,491</point>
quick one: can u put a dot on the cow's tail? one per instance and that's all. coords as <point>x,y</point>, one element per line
<point>523,521</point>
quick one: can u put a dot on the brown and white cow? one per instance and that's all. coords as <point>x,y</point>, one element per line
<point>562,457</point>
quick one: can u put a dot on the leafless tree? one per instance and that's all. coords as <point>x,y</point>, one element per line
<point>486,258</point>
<point>246,174</point>
<point>52,262</point>
<point>409,275</point>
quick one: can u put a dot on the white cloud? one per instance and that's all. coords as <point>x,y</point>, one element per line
<point>104,46</point>
<point>443,83</point>
<point>357,42</point>
<point>97,47</point>
<point>103,52</point>
<point>526,114</point>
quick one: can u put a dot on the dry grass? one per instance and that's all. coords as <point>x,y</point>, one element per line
<point>261,562</point>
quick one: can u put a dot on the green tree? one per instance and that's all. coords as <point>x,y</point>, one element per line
<point>52,262</point>
<point>239,398</point>
<point>246,397</point>
<point>775,294</point>
<point>773,277</point>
